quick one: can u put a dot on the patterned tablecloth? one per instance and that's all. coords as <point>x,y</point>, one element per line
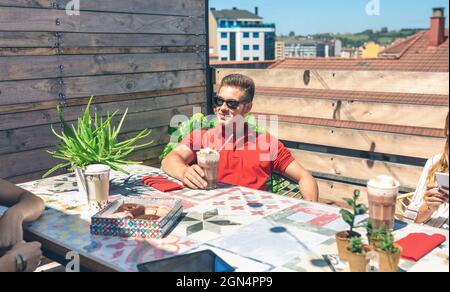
<point>252,230</point>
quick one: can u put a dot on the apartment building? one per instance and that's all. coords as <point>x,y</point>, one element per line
<point>239,35</point>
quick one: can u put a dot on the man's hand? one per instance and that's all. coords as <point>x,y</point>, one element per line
<point>11,231</point>
<point>193,177</point>
<point>31,253</point>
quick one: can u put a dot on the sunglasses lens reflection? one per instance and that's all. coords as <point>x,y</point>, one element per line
<point>218,101</point>
<point>231,104</point>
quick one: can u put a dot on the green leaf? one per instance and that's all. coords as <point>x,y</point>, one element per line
<point>171,130</point>
<point>211,123</point>
<point>347,217</point>
<point>116,133</point>
<point>252,123</point>
<point>361,209</point>
<point>356,195</point>
<point>356,246</point>
<point>59,166</point>
<point>169,148</point>
<point>349,202</point>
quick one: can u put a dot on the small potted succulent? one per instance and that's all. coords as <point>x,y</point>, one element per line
<point>357,256</point>
<point>93,141</point>
<point>389,253</point>
<point>343,237</point>
<point>374,235</point>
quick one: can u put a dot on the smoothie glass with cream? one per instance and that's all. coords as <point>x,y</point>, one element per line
<point>208,160</point>
<point>382,194</point>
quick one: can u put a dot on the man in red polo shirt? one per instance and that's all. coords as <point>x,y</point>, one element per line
<point>247,158</point>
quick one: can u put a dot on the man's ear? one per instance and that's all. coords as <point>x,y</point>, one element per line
<point>248,107</point>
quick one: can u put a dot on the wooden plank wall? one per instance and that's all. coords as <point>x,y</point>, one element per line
<point>305,119</point>
<point>147,55</point>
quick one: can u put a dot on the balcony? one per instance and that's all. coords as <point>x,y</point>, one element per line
<point>346,121</point>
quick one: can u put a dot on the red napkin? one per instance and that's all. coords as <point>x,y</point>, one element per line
<point>417,245</point>
<point>161,183</point>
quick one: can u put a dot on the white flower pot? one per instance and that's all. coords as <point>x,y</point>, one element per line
<point>81,183</point>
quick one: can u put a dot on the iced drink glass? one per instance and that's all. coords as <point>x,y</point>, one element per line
<point>382,194</point>
<point>208,160</point>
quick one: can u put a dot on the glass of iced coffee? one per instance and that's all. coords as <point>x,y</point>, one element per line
<point>97,185</point>
<point>382,192</point>
<point>208,160</point>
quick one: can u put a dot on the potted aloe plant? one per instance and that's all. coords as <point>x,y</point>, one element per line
<point>357,259</point>
<point>389,253</point>
<point>343,237</point>
<point>93,141</point>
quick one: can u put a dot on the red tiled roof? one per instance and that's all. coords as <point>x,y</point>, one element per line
<point>412,54</point>
<point>400,46</point>
<point>406,130</point>
<point>383,97</point>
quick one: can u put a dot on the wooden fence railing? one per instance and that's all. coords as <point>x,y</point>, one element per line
<point>147,55</point>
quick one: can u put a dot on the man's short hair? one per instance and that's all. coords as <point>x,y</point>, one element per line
<point>242,82</point>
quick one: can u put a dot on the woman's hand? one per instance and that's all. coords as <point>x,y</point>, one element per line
<point>435,197</point>
<point>432,200</point>
<point>11,230</point>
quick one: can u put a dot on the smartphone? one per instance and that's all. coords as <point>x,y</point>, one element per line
<point>202,261</point>
<point>442,180</point>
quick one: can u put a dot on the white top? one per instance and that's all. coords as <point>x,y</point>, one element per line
<point>440,216</point>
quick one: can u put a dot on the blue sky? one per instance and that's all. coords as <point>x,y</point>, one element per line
<point>318,16</point>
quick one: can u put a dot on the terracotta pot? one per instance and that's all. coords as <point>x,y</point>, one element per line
<point>389,261</point>
<point>343,240</point>
<point>358,262</point>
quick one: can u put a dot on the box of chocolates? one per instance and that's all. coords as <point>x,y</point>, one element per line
<point>137,217</point>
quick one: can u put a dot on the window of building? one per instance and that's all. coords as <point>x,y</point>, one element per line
<point>223,35</point>
<point>255,58</point>
<point>224,59</point>
<point>231,23</point>
<point>246,47</point>
<point>256,47</point>
<point>256,35</point>
<point>246,58</point>
<point>246,35</point>
<point>223,23</point>
<point>224,47</point>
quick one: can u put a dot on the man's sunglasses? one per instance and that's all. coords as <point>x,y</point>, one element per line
<point>231,103</point>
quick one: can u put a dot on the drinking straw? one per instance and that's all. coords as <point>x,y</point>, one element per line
<point>226,142</point>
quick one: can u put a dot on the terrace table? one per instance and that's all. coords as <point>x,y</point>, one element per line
<point>251,230</point>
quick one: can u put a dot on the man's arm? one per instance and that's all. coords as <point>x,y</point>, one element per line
<point>307,183</point>
<point>176,164</point>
